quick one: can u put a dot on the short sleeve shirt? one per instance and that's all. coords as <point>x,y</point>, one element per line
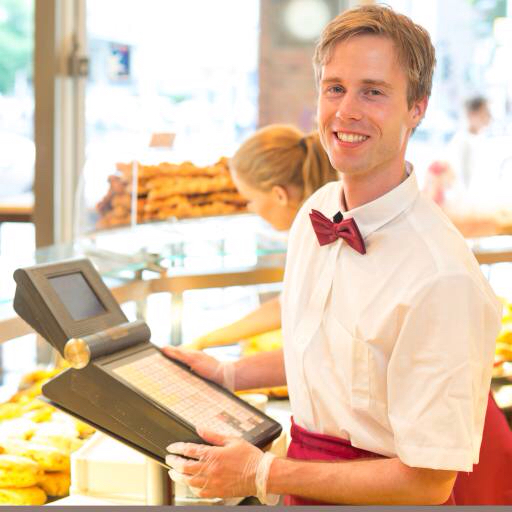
<point>392,350</point>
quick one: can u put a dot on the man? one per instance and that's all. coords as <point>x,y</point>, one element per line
<point>388,323</point>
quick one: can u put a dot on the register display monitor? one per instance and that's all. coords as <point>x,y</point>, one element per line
<point>77,296</point>
<point>65,300</point>
<point>126,387</point>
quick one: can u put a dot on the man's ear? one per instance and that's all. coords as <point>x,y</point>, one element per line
<point>280,195</point>
<point>418,111</point>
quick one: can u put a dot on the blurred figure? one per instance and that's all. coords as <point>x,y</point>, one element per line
<point>479,116</point>
<point>276,170</point>
<point>465,148</point>
<point>463,183</point>
<point>439,179</point>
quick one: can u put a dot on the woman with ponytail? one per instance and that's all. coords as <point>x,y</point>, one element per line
<point>276,169</point>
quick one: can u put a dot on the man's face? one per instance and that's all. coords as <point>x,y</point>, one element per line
<point>364,121</point>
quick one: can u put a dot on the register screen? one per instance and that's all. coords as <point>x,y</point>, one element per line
<point>77,296</point>
<point>186,395</point>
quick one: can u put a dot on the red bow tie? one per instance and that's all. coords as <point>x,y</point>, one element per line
<point>328,231</point>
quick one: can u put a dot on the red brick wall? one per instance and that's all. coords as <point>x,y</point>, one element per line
<point>286,81</point>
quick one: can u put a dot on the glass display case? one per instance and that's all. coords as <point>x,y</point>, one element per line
<point>191,276</point>
<point>175,109</point>
<point>153,185</point>
<point>157,263</point>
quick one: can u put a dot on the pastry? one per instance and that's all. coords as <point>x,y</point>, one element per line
<point>17,471</point>
<point>188,210</point>
<point>230,197</point>
<point>66,444</point>
<point>27,496</point>
<point>10,410</point>
<point>48,458</point>
<point>39,415</point>
<point>56,484</point>
<point>17,428</point>
<point>84,430</point>
<point>163,187</point>
<point>59,434</point>
<point>37,375</point>
<point>125,201</point>
<point>169,190</point>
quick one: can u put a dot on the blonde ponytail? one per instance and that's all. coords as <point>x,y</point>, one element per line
<point>282,155</point>
<point>316,169</point>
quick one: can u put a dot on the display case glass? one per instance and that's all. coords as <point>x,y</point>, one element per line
<point>153,185</point>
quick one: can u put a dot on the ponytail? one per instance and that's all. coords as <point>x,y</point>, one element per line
<point>316,168</point>
<point>282,155</point>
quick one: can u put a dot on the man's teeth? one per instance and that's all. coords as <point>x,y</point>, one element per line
<point>351,137</point>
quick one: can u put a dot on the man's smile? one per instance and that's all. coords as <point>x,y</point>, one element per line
<point>350,139</point>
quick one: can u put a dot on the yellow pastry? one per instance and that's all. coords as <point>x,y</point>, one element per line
<point>274,392</point>
<point>27,496</point>
<point>16,471</point>
<point>31,404</point>
<point>28,394</point>
<point>56,484</point>
<point>84,430</point>
<point>49,458</point>
<point>10,410</point>
<point>39,415</point>
<point>38,375</point>
<point>17,428</point>
<point>63,442</point>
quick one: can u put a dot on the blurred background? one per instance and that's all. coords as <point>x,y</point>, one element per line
<point>86,84</point>
<point>212,72</point>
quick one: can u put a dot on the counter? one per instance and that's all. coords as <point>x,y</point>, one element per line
<point>176,257</point>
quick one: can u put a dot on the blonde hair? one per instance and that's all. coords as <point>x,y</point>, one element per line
<point>416,53</point>
<point>281,154</point>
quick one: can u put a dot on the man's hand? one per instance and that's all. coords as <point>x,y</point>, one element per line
<point>223,373</point>
<point>227,469</point>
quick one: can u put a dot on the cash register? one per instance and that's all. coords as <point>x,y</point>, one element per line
<point>119,382</point>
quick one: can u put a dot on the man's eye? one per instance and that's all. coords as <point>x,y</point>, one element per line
<point>374,92</point>
<point>335,89</point>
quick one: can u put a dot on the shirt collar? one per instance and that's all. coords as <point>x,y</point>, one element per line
<point>375,214</point>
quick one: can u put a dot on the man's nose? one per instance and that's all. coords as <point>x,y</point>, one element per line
<point>349,108</point>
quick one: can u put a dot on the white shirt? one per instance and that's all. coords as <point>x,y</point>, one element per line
<point>393,349</point>
<point>464,155</point>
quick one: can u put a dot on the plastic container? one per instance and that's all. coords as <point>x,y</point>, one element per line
<point>106,468</point>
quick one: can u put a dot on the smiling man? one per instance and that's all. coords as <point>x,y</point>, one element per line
<point>388,323</point>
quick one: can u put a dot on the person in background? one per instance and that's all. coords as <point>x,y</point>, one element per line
<point>462,182</point>
<point>276,170</point>
<point>466,145</point>
<point>478,114</point>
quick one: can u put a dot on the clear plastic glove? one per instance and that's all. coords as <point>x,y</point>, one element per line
<point>221,372</point>
<point>231,468</point>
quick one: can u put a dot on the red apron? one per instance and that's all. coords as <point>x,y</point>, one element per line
<point>307,445</point>
<point>490,483</point>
